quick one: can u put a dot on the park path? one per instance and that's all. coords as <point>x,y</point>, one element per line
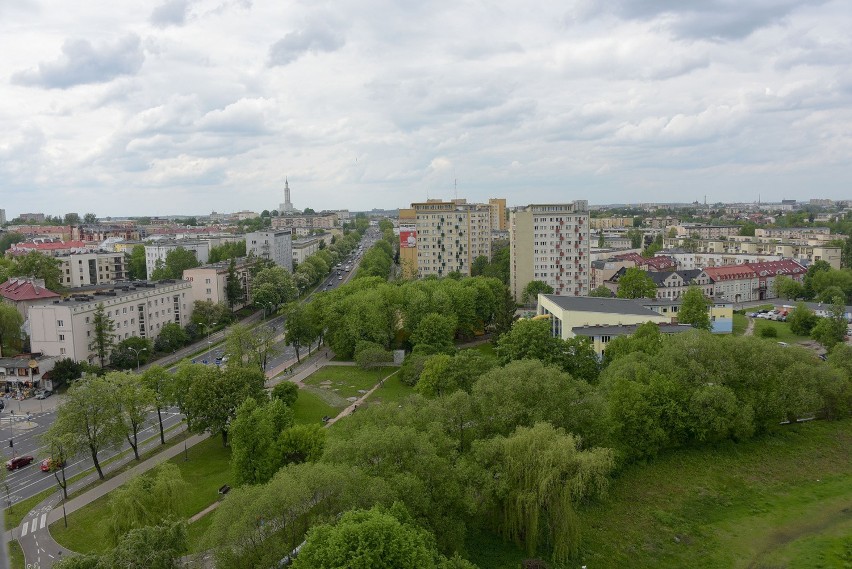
<point>750,328</point>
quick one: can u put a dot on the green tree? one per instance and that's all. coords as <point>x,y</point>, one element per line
<point>301,443</point>
<point>146,500</point>
<point>149,547</point>
<point>785,287</point>
<point>213,398</point>
<point>802,320</point>
<point>299,328</point>
<point>635,236</point>
<point>88,419</point>
<point>536,478</point>
<point>636,283</point>
<point>10,329</point>
<point>136,265</point>
<point>533,289</point>
<point>65,371</point>
<point>130,353</point>
<point>530,340</point>
<point>601,292</point>
<point>90,219</point>
<point>134,400</point>
<point>830,330</point>
<point>171,338</point>
<point>253,433</point>
<point>694,309</point>
<point>177,261</point>
<point>504,316</point>
<point>39,266</point>
<point>479,265</point>
<point>275,286</point>
<point>160,383</point>
<point>9,239</point>
<point>435,330</point>
<point>287,392</point>
<point>368,540</point>
<point>370,355</point>
<point>233,288</point>
<point>103,334</point>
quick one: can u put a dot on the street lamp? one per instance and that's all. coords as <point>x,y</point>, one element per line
<point>137,351</point>
<point>207,328</point>
<point>266,305</point>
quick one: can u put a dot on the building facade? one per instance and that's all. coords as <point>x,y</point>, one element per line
<point>449,236</point>
<point>84,269</point>
<point>498,213</point>
<point>155,253</point>
<point>597,223</point>
<point>304,248</point>
<point>65,328</point>
<point>210,282</point>
<point>275,246</point>
<point>550,243</point>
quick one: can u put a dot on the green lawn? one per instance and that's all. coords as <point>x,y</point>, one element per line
<point>310,408</point>
<point>16,555</point>
<point>207,469</point>
<point>347,381</point>
<point>486,349</point>
<point>391,392</point>
<point>780,502</point>
<point>197,531</point>
<point>783,329</point>
<point>740,324</point>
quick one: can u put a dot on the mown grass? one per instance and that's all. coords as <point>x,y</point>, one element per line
<point>740,324</point>
<point>392,391</point>
<point>347,381</point>
<point>486,349</point>
<point>310,408</point>
<point>784,501</point>
<point>781,328</point>
<point>16,556</point>
<point>207,469</point>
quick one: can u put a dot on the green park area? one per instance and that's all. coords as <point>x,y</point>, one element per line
<point>335,384</point>
<point>781,501</point>
<point>782,331</point>
<point>740,324</point>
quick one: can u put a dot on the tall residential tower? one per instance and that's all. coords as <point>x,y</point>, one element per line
<point>286,208</point>
<point>550,243</point>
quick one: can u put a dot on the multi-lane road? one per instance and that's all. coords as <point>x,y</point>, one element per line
<point>30,480</point>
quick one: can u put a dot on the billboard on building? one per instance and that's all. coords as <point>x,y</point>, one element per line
<point>408,239</point>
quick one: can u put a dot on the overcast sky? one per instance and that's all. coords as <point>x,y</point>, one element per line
<point>189,106</point>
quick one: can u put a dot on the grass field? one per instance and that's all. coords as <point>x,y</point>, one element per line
<point>347,381</point>
<point>486,349</point>
<point>16,556</point>
<point>207,469</point>
<point>392,391</point>
<point>740,324</point>
<point>310,408</point>
<point>783,329</point>
<point>780,502</point>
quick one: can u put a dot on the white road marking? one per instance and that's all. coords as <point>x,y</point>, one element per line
<point>34,526</point>
<point>43,521</point>
<point>24,529</point>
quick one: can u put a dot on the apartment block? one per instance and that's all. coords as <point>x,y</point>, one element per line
<point>611,223</point>
<point>791,232</point>
<point>156,253</point>
<point>498,213</point>
<point>84,269</point>
<point>802,253</point>
<point>550,243</point>
<point>698,231</point>
<point>210,282</point>
<point>65,327</point>
<point>304,248</point>
<point>450,235</point>
<point>407,225</point>
<point>310,221</point>
<point>275,246</point>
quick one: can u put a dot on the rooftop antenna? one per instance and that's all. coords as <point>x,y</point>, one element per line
<point>456,188</point>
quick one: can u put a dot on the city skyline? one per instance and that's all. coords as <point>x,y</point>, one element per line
<point>192,106</point>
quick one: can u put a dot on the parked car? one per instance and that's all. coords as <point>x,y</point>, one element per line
<point>49,464</point>
<point>18,462</point>
<point>44,394</point>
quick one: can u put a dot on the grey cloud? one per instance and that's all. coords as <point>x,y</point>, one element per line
<point>696,19</point>
<point>170,13</point>
<point>83,63</point>
<point>315,38</point>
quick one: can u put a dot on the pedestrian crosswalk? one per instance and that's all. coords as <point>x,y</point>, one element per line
<point>34,525</point>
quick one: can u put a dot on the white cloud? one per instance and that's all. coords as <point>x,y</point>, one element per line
<point>208,104</point>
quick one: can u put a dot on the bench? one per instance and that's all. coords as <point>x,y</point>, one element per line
<point>224,489</point>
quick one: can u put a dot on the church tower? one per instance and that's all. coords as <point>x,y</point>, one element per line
<point>286,208</point>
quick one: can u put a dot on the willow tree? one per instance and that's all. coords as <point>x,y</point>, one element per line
<point>534,479</point>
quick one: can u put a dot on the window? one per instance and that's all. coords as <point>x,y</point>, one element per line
<point>62,337</point>
<point>60,323</point>
<point>62,351</point>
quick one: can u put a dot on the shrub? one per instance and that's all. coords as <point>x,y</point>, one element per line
<point>768,332</point>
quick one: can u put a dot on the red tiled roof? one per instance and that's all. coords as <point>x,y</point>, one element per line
<point>17,289</point>
<point>782,267</point>
<point>52,246</point>
<point>659,263</point>
<point>730,272</point>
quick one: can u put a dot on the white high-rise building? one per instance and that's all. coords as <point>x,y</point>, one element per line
<point>156,253</point>
<point>286,208</point>
<point>275,246</point>
<point>550,243</point>
<point>450,235</point>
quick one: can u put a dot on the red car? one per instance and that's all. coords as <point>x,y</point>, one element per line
<point>49,464</point>
<point>18,462</point>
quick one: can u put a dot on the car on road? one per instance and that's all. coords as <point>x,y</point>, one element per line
<point>44,394</point>
<point>19,462</point>
<point>49,464</point>
<point>340,278</point>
